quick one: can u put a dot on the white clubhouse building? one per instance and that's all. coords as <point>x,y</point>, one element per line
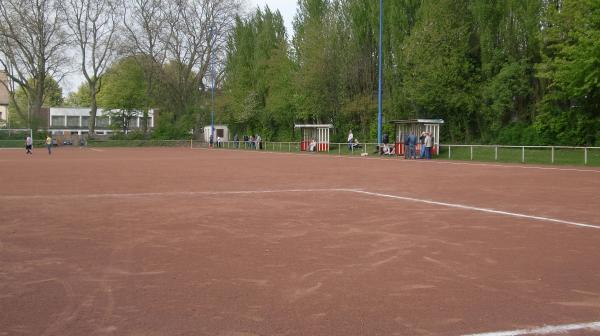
<point>74,121</point>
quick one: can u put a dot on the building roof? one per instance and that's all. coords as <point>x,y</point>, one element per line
<point>85,111</point>
<point>313,126</point>
<point>418,121</point>
<point>4,97</point>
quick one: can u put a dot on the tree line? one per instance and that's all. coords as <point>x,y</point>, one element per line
<point>502,71</point>
<point>138,54</point>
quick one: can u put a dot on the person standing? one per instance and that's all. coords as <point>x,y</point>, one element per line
<point>236,141</point>
<point>422,144</point>
<point>350,140</point>
<point>412,144</point>
<point>49,144</point>
<point>29,145</point>
<point>428,145</point>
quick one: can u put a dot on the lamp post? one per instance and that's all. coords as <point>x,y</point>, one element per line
<point>379,113</point>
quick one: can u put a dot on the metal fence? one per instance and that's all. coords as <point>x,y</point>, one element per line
<point>491,153</point>
<point>523,154</point>
<point>363,149</point>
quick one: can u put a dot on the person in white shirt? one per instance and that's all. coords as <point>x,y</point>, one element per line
<point>350,140</point>
<point>313,145</point>
<point>428,145</point>
<point>28,145</point>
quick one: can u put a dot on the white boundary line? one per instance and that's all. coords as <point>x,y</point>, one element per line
<point>547,330</point>
<point>521,332</point>
<point>167,194</point>
<point>467,207</point>
<point>246,192</point>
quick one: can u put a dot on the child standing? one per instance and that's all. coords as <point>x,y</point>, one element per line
<point>28,145</point>
<point>49,144</point>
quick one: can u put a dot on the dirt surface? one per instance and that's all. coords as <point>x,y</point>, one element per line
<point>207,242</point>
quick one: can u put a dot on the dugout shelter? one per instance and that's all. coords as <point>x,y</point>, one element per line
<point>417,126</point>
<point>320,133</point>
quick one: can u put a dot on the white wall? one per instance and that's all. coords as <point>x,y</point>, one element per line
<point>223,127</point>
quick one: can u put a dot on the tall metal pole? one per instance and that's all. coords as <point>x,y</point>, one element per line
<point>212,93</point>
<point>380,71</point>
<point>212,103</point>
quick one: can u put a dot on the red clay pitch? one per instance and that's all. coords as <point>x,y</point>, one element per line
<point>162,242</point>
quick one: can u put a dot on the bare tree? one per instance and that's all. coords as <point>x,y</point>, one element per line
<point>144,33</point>
<point>92,25</point>
<point>197,35</point>
<point>174,41</point>
<point>32,48</point>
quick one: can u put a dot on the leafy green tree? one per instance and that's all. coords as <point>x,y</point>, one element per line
<point>258,77</point>
<point>570,111</point>
<point>502,71</point>
<point>440,72</point>
<point>52,98</point>
<point>123,91</point>
<point>79,98</point>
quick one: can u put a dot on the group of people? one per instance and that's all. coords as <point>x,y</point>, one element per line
<point>251,141</point>
<point>410,145</point>
<point>211,141</point>
<point>29,145</point>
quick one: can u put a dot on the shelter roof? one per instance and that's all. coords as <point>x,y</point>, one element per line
<point>313,126</point>
<point>418,121</point>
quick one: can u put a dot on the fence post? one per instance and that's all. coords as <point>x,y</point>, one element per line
<point>552,154</point>
<point>523,154</point>
<point>449,152</point>
<point>471,152</point>
<point>339,150</point>
<point>585,156</point>
<point>496,153</point>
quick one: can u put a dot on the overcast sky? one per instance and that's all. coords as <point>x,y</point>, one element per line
<point>286,7</point>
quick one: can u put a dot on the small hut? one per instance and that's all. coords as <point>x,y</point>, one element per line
<point>318,133</point>
<point>417,126</point>
<point>218,131</point>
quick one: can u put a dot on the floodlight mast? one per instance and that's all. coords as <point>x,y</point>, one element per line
<point>379,113</point>
<point>212,103</point>
<point>212,89</point>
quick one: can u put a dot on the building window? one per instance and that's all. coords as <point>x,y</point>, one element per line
<point>72,121</point>
<point>85,121</point>
<point>58,121</point>
<point>102,121</point>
